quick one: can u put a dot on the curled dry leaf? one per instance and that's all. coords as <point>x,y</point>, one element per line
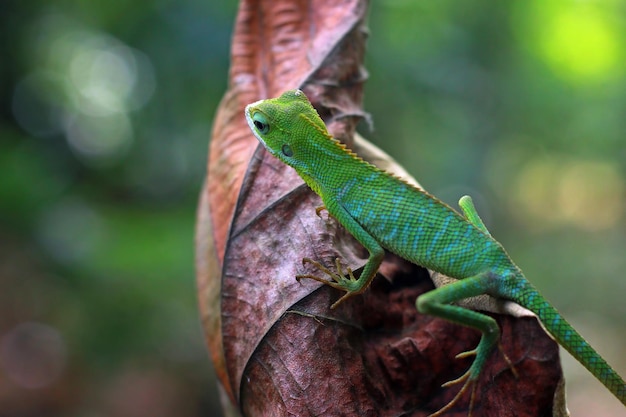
<point>276,346</point>
<point>277,45</point>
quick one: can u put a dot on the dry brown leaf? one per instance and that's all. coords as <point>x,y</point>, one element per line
<point>277,45</point>
<point>276,346</point>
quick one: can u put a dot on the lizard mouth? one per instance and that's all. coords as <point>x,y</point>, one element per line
<point>248,113</point>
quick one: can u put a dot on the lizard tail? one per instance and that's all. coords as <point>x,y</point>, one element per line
<point>526,295</point>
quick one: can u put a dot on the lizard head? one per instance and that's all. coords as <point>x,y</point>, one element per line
<point>284,125</point>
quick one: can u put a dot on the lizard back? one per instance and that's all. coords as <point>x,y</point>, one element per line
<point>413,224</point>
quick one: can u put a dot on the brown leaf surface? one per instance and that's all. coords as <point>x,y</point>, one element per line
<point>277,45</point>
<point>379,357</point>
<point>276,347</point>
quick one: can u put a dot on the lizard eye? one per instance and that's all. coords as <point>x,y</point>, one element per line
<point>260,123</point>
<point>286,150</point>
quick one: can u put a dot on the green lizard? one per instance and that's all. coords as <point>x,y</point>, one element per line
<point>384,212</point>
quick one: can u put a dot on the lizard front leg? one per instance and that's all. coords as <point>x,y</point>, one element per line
<point>347,282</point>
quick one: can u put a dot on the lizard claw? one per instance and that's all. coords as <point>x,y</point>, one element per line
<point>321,268</point>
<point>467,382</point>
<point>307,261</point>
<point>318,210</point>
<point>508,361</point>
<point>466,354</point>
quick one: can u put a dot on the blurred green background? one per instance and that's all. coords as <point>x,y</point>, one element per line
<point>106,114</point>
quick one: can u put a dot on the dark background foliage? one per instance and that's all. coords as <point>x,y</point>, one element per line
<point>105,115</point>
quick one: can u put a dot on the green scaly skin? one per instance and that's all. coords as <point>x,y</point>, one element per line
<point>383,212</point>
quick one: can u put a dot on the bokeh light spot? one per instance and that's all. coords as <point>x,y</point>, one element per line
<point>591,194</point>
<point>580,43</point>
<point>104,79</point>
<point>553,190</point>
<point>99,139</point>
<point>579,40</point>
<point>86,84</point>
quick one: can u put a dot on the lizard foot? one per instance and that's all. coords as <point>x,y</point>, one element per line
<point>339,280</point>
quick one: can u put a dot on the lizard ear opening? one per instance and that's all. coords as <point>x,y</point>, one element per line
<point>260,122</point>
<point>287,151</point>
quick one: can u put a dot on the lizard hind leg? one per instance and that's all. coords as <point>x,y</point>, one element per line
<point>438,303</point>
<point>467,206</point>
